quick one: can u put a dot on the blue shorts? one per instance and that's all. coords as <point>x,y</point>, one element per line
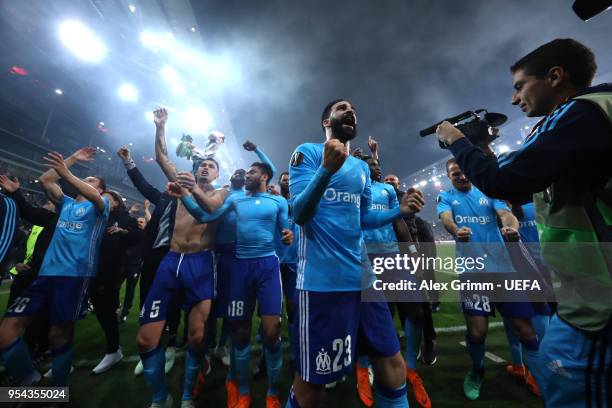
<point>331,326</point>
<point>482,303</point>
<point>64,297</point>
<point>225,258</point>
<point>189,277</point>
<point>288,276</point>
<point>564,357</point>
<point>255,279</point>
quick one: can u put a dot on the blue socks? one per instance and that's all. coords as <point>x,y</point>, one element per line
<point>514,343</point>
<point>16,359</point>
<point>274,365</point>
<point>242,374</point>
<point>153,362</point>
<point>193,364</point>
<point>476,352</point>
<point>390,398</point>
<point>62,362</point>
<point>414,334</point>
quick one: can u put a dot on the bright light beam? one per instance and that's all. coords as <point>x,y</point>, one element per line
<point>128,92</point>
<point>82,42</point>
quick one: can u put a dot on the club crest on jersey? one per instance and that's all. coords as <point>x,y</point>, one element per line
<point>80,212</point>
<point>483,201</point>
<point>297,159</point>
<point>385,193</point>
<point>455,202</point>
<point>257,202</point>
<point>323,362</point>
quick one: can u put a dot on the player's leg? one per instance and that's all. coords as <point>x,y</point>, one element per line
<point>377,338</point>
<point>62,350</point>
<point>475,336</point>
<point>152,322</point>
<point>14,353</point>
<point>195,346</point>
<point>270,299</point>
<point>242,293</point>
<point>289,275</point>
<point>105,298</point>
<point>13,350</point>
<point>196,274</point>
<point>516,368</point>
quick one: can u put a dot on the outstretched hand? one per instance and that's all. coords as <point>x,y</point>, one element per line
<point>9,185</point>
<point>56,162</point>
<point>85,154</point>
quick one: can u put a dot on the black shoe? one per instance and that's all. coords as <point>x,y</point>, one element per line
<point>429,356</point>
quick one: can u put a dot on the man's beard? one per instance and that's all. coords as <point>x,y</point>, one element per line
<point>340,132</point>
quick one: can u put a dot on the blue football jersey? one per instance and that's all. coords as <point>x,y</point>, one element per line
<point>478,212</point>
<point>226,228</point>
<point>382,240</point>
<point>287,253</point>
<point>75,245</point>
<point>330,243</point>
<point>258,217</point>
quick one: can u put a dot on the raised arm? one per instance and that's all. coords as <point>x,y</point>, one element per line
<point>147,211</point>
<point>49,178</point>
<point>142,185</point>
<point>56,161</point>
<point>160,117</point>
<point>35,215</point>
<point>252,147</point>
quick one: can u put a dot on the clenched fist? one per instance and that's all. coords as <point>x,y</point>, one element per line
<point>413,201</point>
<point>334,155</point>
<point>463,234</point>
<point>160,116</point>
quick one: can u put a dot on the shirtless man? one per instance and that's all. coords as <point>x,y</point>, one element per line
<point>186,271</point>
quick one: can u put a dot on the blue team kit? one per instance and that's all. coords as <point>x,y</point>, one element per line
<point>63,283</point>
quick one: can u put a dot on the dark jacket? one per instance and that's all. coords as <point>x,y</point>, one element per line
<point>41,217</point>
<point>161,201</point>
<point>113,247</point>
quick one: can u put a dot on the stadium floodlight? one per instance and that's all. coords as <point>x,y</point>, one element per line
<point>504,148</point>
<point>170,74</point>
<point>128,92</point>
<point>132,8</point>
<point>423,183</point>
<point>437,183</point>
<point>83,43</point>
<point>415,186</point>
<point>148,39</point>
<point>59,91</point>
<point>193,29</point>
<point>197,120</point>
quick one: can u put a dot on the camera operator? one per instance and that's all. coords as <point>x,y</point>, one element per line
<point>564,165</point>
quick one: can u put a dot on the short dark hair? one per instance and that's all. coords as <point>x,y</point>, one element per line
<point>101,183</point>
<point>449,162</point>
<point>265,168</point>
<point>574,57</point>
<point>210,159</point>
<point>328,109</point>
<point>118,198</point>
<point>280,176</point>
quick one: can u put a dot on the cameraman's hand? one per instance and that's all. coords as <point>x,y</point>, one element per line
<point>447,133</point>
<point>463,234</point>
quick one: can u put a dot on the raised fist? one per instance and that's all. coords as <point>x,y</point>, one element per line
<point>334,155</point>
